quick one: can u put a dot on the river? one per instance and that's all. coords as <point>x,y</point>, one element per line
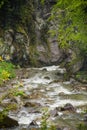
<point>46,89</point>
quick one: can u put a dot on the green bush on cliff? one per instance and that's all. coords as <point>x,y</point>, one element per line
<point>71,18</point>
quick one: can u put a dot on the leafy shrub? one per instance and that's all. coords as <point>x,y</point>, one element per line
<point>81,75</point>
<point>6,70</point>
<point>45,125</point>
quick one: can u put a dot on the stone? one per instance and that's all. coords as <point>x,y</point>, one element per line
<point>56,53</point>
<point>46,77</point>
<point>48,57</point>
<point>30,104</point>
<point>58,128</point>
<point>85,118</point>
<point>8,37</point>
<point>54,113</point>
<point>33,126</point>
<point>66,128</point>
<point>44,69</point>
<point>74,61</point>
<point>8,122</point>
<point>68,107</point>
<point>61,94</point>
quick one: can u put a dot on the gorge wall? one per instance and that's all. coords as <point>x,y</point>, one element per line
<point>24,37</point>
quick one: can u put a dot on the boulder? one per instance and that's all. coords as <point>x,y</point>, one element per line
<point>74,61</point>
<point>30,104</point>
<point>54,113</point>
<point>8,122</point>
<point>51,55</point>
<point>68,107</point>
<point>33,126</point>
<point>85,117</point>
<point>66,128</point>
<point>58,128</point>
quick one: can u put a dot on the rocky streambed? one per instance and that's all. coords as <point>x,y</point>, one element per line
<point>24,99</point>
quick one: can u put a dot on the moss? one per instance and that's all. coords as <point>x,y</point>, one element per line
<point>81,76</point>
<point>1,42</point>
<point>3,114</point>
<point>33,55</point>
<point>5,111</point>
<point>20,29</point>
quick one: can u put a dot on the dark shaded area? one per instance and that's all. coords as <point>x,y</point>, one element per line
<point>8,122</point>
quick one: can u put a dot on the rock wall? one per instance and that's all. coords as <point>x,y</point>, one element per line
<point>43,49</point>
<point>32,45</point>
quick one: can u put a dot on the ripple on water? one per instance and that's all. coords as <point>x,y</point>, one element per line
<point>59,103</point>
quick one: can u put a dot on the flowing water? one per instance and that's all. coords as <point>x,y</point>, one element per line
<point>46,89</point>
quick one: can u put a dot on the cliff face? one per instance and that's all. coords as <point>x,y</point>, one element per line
<point>29,42</point>
<point>26,41</point>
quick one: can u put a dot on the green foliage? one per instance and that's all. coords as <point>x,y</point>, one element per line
<point>81,75</point>
<point>6,71</point>
<point>3,114</point>
<point>1,3</point>
<point>5,111</point>
<point>44,123</point>
<point>82,127</point>
<point>16,92</point>
<point>19,93</point>
<point>42,2</point>
<point>71,17</point>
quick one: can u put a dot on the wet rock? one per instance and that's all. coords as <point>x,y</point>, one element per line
<point>46,77</point>
<point>61,94</point>
<point>37,95</point>
<point>14,99</point>
<point>66,128</point>
<point>68,107</point>
<point>54,113</point>
<point>33,126</point>
<point>34,111</point>
<point>8,122</point>
<point>25,97</point>
<point>44,69</point>
<point>85,118</point>
<point>29,104</point>
<point>58,129</point>
<point>23,129</point>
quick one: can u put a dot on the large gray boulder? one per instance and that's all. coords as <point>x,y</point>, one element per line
<point>49,55</point>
